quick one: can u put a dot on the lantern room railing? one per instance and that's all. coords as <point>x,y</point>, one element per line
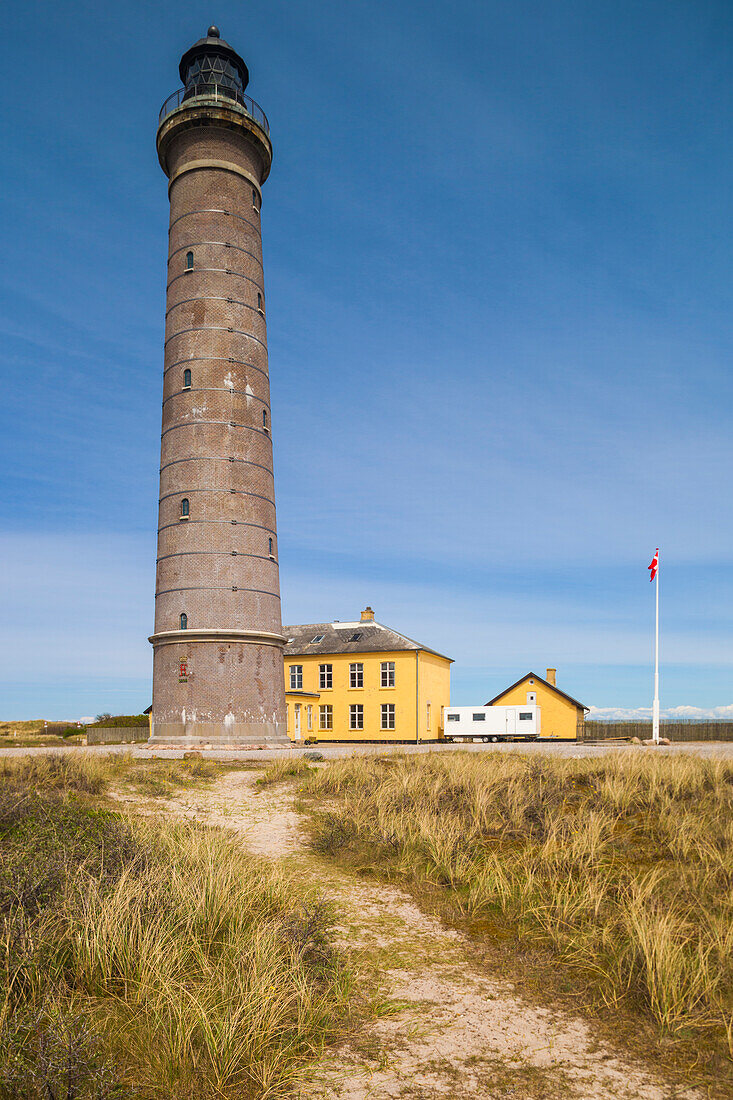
<point>215,93</point>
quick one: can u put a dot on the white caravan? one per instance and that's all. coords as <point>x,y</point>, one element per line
<point>520,723</point>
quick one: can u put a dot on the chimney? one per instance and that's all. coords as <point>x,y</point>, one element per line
<point>551,676</point>
<point>367,615</point>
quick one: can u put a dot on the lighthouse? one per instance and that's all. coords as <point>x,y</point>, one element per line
<point>218,642</point>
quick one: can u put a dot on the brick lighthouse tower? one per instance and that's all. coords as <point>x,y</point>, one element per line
<point>217,646</point>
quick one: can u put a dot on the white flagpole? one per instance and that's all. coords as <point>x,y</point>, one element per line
<point>655,711</point>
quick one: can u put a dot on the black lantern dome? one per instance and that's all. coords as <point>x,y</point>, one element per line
<point>212,68</point>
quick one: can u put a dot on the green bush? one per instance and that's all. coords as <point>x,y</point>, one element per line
<point>119,720</point>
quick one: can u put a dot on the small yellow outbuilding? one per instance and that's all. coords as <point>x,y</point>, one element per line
<point>562,717</point>
<point>362,681</point>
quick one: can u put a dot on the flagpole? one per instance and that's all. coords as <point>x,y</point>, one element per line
<point>655,711</point>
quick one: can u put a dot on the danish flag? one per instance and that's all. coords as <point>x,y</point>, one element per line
<point>654,566</point>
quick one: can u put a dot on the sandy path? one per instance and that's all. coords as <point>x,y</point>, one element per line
<point>453,1031</point>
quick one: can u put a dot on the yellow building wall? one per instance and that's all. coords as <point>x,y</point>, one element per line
<point>433,695</point>
<point>411,668</point>
<point>308,729</point>
<point>560,717</point>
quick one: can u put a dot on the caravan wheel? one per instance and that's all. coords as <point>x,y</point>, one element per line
<point>494,738</point>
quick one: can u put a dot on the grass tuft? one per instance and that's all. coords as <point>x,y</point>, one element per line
<point>621,867</point>
<point>147,959</point>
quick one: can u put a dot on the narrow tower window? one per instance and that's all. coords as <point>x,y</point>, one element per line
<point>184,621</point>
<point>264,419</point>
<point>184,508</point>
<point>271,548</point>
<point>259,301</point>
<point>255,200</point>
<point>189,261</point>
<point>187,379</point>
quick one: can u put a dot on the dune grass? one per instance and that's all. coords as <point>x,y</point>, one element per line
<point>284,769</point>
<point>148,960</point>
<point>620,867</point>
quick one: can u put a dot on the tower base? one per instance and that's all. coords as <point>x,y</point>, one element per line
<point>218,687</point>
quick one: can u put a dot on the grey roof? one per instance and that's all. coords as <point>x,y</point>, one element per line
<point>373,637</point>
<point>542,680</point>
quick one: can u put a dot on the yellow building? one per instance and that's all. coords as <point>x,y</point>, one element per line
<point>362,681</point>
<point>561,717</point>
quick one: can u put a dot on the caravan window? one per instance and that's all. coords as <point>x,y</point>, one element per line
<point>523,717</point>
<point>453,717</point>
<point>480,717</point>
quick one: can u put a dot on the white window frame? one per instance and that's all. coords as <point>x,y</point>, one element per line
<point>309,716</point>
<point>356,674</point>
<point>356,716</point>
<point>386,674</point>
<point>296,677</point>
<point>388,716</point>
<point>325,673</point>
<point>325,716</point>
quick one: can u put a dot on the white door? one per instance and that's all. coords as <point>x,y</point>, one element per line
<point>297,722</point>
<point>511,721</point>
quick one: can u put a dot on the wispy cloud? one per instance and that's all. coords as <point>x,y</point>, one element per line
<point>629,714</point>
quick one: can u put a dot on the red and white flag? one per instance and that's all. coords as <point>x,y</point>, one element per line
<point>654,566</point>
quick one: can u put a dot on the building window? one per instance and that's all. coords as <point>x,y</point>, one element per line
<point>428,717</point>
<point>187,379</point>
<point>387,716</point>
<point>271,545</point>
<point>356,716</point>
<point>309,716</point>
<point>387,668</point>
<point>264,420</point>
<point>184,508</point>
<point>325,717</point>
<point>184,621</point>
<point>356,675</point>
<point>355,637</point>
<point>325,675</point>
<point>479,716</point>
<point>296,677</point>
<point>259,301</point>
<point>255,200</point>
<point>189,261</point>
<point>318,638</point>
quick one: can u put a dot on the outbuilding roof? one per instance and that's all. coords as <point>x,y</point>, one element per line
<point>357,637</point>
<point>542,680</point>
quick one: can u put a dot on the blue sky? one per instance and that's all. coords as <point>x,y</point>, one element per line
<point>498,265</point>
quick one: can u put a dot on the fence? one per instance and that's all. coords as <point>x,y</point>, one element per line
<point>117,735</point>
<point>675,730</point>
